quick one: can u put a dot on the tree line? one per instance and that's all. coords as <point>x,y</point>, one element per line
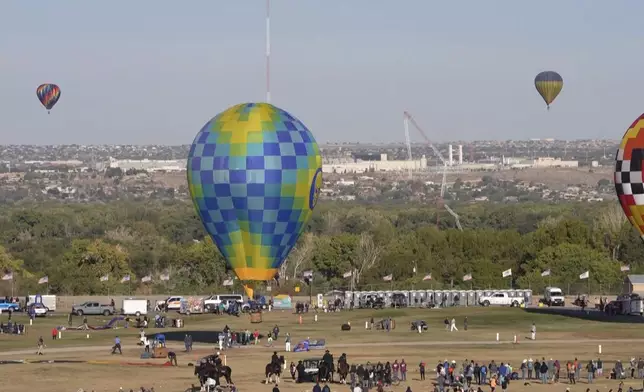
<point>76,244</point>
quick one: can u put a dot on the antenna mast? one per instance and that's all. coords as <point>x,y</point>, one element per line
<point>268,51</point>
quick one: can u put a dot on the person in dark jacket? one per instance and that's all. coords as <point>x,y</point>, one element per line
<point>300,372</point>
<point>544,372</point>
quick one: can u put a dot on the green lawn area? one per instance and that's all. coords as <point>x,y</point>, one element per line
<point>483,325</point>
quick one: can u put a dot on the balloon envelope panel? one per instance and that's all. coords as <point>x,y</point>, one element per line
<point>254,173</point>
<point>629,183</point>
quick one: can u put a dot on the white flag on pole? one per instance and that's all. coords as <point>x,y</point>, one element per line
<point>546,273</point>
<point>507,273</point>
<point>625,268</point>
<point>126,278</point>
<point>164,277</point>
<point>44,279</point>
<point>585,275</point>
<point>467,277</point>
<point>146,279</point>
<point>388,278</point>
<point>105,278</point>
<point>347,274</point>
<point>427,277</point>
<point>7,276</point>
<point>227,282</point>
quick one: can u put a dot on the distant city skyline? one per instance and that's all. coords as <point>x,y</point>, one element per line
<point>156,73</point>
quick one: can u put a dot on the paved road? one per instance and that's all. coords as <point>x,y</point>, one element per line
<point>75,349</point>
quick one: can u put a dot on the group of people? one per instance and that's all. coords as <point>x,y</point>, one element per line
<point>546,371</point>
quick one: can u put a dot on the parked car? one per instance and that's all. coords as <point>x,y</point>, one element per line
<point>39,309</point>
<point>311,368</point>
<point>8,305</point>
<point>93,308</point>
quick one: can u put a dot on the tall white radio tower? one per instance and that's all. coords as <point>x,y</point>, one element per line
<point>408,141</point>
<point>268,51</point>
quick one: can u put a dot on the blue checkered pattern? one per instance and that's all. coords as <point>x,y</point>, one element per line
<point>254,173</point>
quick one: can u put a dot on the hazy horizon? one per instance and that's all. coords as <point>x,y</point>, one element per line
<point>154,72</point>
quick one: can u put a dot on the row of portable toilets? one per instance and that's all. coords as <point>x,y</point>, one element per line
<point>445,298</point>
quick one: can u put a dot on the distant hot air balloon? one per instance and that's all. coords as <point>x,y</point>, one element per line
<point>48,94</point>
<point>254,173</point>
<point>549,85</point>
<point>629,181</point>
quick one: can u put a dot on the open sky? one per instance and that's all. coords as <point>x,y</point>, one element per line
<point>154,71</point>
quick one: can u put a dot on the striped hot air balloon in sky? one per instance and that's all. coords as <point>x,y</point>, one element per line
<point>549,85</point>
<point>629,181</point>
<point>254,174</point>
<point>48,94</point>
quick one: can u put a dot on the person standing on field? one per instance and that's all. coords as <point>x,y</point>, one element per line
<point>453,326</point>
<point>41,346</point>
<point>287,343</point>
<point>533,332</point>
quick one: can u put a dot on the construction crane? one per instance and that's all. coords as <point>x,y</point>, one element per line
<point>408,118</point>
<point>408,142</point>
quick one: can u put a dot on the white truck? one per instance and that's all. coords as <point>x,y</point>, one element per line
<point>553,296</point>
<point>501,299</point>
<point>135,307</point>
<point>212,302</point>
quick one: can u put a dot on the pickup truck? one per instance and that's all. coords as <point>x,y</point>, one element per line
<point>502,299</point>
<point>5,306</point>
<point>93,308</point>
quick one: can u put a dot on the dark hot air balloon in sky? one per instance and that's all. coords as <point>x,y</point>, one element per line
<point>549,85</point>
<point>254,173</point>
<point>48,94</point>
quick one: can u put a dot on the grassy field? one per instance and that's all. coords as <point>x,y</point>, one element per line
<point>557,337</point>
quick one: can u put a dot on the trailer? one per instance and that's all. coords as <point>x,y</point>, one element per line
<point>48,301</point>
<point>135,307</point>
<point>192,305</point>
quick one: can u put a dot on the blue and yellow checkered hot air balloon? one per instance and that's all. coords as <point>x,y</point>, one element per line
<point>254,173</point>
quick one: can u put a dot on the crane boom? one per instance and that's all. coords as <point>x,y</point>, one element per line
<point>455,215</point>
<point>422,133</point>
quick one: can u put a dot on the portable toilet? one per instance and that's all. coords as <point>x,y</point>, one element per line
<point>471,298</point>
<point>348,298</point>
<point>438,297</point>
<point>463,295</point>
<point>527,296</point>
<point>430,297</point>
<point>478,294</point>
<point>414,298</point>
<point>388,299</point>
<point>422,297</point>
<point>459,298</point>
<point>449,298</point>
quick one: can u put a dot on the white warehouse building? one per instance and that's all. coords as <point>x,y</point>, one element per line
<point>383,165</point>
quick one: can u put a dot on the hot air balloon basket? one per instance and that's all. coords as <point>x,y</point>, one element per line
<point>256,318</point>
